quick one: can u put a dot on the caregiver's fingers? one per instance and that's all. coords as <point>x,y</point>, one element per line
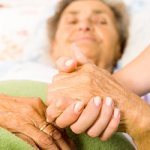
<point>56,107</point>
<point>88,116</point>
<point>103,120</point>
<point>70,115</point>
<point>66,64</point>
<point>78,55</point>
<point>112,126</point>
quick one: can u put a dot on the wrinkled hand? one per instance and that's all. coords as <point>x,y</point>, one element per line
<point>89,81</point>
<point>104,119</point>
<point>24,117</point>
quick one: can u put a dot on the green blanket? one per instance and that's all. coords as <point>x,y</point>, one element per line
<point>8,141</point>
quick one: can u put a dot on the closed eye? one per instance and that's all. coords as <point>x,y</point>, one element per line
<point>73,22</point>
<point>100,20</point>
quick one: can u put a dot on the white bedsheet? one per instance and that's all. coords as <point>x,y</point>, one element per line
<point>23,38</point>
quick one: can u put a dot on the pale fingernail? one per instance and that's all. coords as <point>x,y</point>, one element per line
<point>69,62</point>
<point>78,107</point>
<point>116,113</point>
<point>108,101</point>
<point>97,100</point>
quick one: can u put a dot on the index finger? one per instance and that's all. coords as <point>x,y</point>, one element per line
<point>66,64</point>
<point>43,140</point>
<point>57,137</point>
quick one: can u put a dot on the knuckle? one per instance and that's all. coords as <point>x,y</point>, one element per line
<point>59,103</point>
<point>56,134</point>
<point>45,141</point>
<point>36,101</point>
<point>50,115</point>
<point>89,67</point>
<point>86,78</point>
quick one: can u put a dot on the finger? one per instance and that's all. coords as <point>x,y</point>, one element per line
<point>78,55</point>
<point>66,64</point>
<point>56,108</point>
<point>70,115</point>
<point>43,140</point>
<point>103,119</point>
<point>57,137</point>
<point>27,139</point>
<point>84,122</point>
<point>112,126</point>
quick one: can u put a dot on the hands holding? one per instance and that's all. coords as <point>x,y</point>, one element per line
<point>25,117</point>
<point>71,90</point>
<point>73,102</point>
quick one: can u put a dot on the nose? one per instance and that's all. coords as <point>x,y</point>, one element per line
<point>85,25</point>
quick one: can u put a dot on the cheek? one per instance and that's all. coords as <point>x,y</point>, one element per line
<point>109,37</point>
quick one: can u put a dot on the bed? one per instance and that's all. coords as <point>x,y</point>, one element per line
<point>23,42</point>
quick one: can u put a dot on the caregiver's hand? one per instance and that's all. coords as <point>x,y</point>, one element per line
<point>98,119</point>
<point>68,64</point>
<point>25,117</point>
<point>89,81</point>
<point>65,64</point>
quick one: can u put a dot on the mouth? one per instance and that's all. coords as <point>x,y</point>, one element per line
<point>88,39</point>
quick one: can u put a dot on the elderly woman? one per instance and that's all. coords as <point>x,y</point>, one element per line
<point>99,30</point>
<point>100,82</point>
<point>90,80</point>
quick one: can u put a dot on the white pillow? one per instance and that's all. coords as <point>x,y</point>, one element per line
<point>139,37</point>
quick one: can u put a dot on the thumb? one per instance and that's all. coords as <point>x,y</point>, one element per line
<point>78,55</point>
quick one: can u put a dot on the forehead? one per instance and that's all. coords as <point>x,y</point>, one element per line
<point>88,7</point>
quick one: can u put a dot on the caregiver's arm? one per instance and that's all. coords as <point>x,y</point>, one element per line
<point>89,81</point>
<point>136,75</point>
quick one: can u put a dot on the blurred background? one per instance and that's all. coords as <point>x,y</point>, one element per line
<point>23,35</point>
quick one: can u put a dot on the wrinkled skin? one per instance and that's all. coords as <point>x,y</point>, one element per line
<point>89,81</point>
<point>22,117</point>
<point>91,25</point>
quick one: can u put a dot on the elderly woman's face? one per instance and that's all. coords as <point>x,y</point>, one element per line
<point>91,25</point>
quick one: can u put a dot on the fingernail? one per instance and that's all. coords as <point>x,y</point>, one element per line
<point>108,101</point>
<point>78,107</point>
<point>97,100</point>
<point>69,62</point>
<point>116,113</point>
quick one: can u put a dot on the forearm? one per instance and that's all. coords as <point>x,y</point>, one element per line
<point>136,117</point>
<point>135,76</point>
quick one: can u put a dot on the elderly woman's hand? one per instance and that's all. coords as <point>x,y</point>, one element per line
<point>25,117</point>
<point>89,81</point>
